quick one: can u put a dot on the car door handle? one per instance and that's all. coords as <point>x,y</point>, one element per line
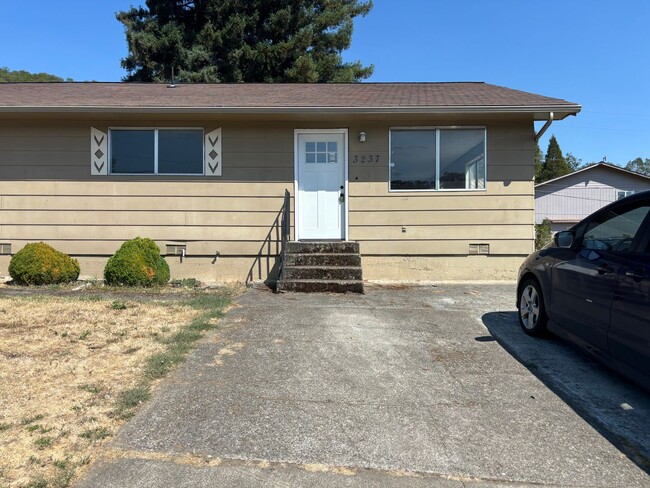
<point>637,275</point>
<point>604,269</point>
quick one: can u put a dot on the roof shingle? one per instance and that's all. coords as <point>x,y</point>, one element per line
<point>271,96</point>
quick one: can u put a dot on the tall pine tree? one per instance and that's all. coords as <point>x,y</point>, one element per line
<point>554,165</point>
<point>267,41</point>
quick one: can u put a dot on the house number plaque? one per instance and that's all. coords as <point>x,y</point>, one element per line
<point>366,158</point>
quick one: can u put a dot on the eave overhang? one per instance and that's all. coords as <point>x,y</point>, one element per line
<point>537,112</point>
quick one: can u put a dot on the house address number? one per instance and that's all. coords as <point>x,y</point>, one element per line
<point>366,158</point>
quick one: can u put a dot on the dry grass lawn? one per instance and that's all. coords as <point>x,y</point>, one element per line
<point>64,362</point>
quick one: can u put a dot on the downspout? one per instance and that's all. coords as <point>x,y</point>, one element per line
<point>546,126</point>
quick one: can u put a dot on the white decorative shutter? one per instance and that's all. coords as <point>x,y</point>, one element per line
<point>213,153</point>
<point>98,152</point>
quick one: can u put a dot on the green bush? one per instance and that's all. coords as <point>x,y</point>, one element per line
<point>137,263</point>
<point>40,264</point>
<point>543,234</point>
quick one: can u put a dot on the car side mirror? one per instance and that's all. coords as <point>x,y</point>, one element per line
<point>564,239</point>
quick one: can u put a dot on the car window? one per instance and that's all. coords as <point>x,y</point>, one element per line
<point>644,247</point>
<point>615,230</point>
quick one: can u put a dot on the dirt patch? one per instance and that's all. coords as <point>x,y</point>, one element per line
<point>229,350</point>
<point>63,364</point>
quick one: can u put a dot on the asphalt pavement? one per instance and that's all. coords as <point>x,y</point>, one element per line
<point>400,387</point>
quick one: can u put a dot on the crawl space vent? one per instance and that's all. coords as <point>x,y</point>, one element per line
<point>176,249</point>
<point>5,248</point>
<point>479,249</point>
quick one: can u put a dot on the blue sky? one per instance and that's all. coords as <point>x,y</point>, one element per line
<point>592,52</point>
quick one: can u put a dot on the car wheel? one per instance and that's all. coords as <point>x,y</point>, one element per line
<point>532,315</point>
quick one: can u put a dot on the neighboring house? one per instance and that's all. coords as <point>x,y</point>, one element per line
<point>434,180</point>
<point>570,198</point>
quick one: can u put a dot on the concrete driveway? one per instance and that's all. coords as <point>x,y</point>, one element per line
<point>401,387</point>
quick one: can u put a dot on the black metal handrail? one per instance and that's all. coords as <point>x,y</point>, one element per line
<point>285,228</point>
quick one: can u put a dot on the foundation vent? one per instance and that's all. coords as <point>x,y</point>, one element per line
<point>5,249</point>
<point>176,249</point>
<point>479,249</point>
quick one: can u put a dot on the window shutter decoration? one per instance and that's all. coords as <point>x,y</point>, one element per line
<point>98,152</point>
<point>213,153</point>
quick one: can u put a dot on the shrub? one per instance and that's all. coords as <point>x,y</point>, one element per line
<point>40,264</point>
<point>543,235</point>
<point>137,263</point>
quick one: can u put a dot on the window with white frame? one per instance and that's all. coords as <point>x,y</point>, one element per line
<point>437,159</point>
<point>156,151</point>
<point>620,194</point>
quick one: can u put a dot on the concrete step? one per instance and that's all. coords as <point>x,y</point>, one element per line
<point>345,247</point>
<point>323,259</point>
<point>312,267</point>
<point>336,273</point>
<point>321,286</point>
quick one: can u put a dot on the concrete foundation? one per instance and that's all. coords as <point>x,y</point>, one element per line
<point>375,268</point>
<point>440,268</point>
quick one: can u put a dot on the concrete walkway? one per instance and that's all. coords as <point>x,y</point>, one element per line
<point>401,387</point>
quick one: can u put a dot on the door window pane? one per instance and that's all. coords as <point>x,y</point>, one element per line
<point>132,151</point>
<point>321,152</point>
<point>413,160</point>
<point>180,151</point>
<point>615,231</point>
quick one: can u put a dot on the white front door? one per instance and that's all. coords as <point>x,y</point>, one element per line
<point>321,158</point>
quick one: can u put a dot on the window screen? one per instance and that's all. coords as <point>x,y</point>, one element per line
<point>437,159</point>
<point>156,151</point>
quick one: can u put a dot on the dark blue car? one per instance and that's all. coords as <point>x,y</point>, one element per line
<point>591,286</point>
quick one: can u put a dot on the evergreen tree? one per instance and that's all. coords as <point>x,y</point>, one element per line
<point>538,156</point>
<point>574,163</point>
<point>554,165</point>
<point>211,41</point>
<point>639,165</point>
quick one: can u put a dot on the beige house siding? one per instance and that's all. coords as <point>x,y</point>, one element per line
<point>426,235</point>
<point>47,193</point>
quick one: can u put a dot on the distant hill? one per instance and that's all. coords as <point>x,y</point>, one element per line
<point>7,76</point>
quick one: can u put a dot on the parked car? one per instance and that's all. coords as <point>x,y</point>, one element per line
<point>591,286</point>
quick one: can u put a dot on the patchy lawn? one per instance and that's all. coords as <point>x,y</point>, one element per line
<point>74,367</point>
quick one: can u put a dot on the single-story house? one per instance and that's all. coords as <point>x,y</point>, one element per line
<point>566,200</point>
<point>433,180</point>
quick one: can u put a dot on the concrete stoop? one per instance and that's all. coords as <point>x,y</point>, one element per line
<point>312,267</point>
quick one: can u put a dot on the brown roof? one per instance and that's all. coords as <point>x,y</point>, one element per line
<point>354,97</point>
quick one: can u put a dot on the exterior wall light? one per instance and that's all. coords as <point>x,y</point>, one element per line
<point>362,136</point>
